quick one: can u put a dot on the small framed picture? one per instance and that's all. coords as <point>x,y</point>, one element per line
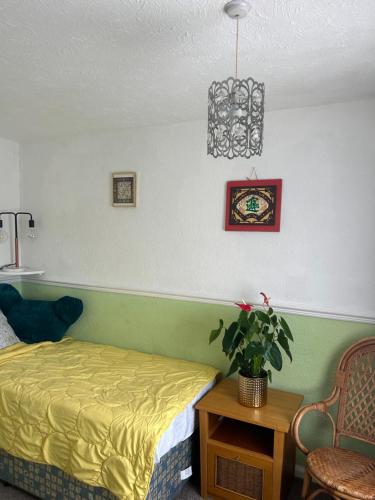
<point>253,205</point>
<point>124,189</point>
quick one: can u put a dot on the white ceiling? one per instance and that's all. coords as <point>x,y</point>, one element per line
<point>71,66</point>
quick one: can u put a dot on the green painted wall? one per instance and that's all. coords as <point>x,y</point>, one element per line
<point>180,329</point>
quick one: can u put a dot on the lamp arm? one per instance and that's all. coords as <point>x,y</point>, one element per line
<point>7,213</point>
<point>24,213</point>
<point>15,215</point>
<point>16,250</point>
<point>1,225</point>
<point>16,245</point>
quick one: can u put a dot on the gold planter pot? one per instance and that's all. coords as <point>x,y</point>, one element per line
<point>252,392</point>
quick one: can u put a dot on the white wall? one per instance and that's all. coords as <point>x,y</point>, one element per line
<point>9,191</point>
<point>323,258</point>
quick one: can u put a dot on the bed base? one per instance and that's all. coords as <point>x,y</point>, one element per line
<point>50,483</point>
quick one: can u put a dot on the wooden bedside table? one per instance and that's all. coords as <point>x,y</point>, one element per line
<point>246,452</point>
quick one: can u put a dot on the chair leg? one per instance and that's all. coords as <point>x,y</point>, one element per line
<point>306,484</point>
<point>317,492</point>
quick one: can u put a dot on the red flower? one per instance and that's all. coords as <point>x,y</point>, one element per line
<point>266,300</point>
<point>245,307</point>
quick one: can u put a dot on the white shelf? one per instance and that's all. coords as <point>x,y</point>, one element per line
<point>21,271</point>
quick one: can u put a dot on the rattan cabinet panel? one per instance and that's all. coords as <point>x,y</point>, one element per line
<point>238,475</point>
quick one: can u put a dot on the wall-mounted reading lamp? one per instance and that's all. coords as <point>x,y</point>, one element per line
<point>15,267</point>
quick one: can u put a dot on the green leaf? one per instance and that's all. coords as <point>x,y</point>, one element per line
<point>274,357</point>
<point>269,373</point>
<point>263,317</point>
<point>286,328</point>
<point>251,327</point>
<point>236,364</point>
<point>237,340</point>
<point>256,364</point>
<point>239,357</point>
<point>215,333</point>
<point>252,318</point>
<point>268,341</point>
<point>252,350</point>
<point>283,341</point>
<point>270,311</point>
<point>242,320</point>
<point>255,327</point>
<point>233,367</point>
<point>274,320</point>
<point>229,337</point>
<point>268,338</point>
<point>265,330</point>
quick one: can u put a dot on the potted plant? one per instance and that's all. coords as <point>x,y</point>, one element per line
<point>250,342</point>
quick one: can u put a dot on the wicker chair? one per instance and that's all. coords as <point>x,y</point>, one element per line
<point>342,473</point>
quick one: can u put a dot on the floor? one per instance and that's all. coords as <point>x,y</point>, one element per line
<point>188,493</point>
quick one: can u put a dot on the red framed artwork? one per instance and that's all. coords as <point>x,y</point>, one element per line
<point>253,205</point>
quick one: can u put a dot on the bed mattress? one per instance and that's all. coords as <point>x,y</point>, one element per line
<point>50,483</point>
<point>182,426</point>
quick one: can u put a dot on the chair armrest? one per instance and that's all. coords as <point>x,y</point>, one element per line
<point>322,407</point>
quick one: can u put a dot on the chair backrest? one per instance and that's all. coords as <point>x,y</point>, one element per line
<point>355,377</point>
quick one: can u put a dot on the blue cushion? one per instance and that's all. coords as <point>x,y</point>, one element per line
<point>38,320</point>
<point>9,296</point>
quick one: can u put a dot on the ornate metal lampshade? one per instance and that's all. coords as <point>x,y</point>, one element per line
<point>235,108</point>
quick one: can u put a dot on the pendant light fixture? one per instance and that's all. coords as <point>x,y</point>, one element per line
<point>235,107</point>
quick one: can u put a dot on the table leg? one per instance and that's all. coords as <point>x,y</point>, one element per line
<point>278,459</point>
<point>203,432</point>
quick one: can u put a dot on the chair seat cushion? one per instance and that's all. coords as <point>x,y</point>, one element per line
<point>345,471</point>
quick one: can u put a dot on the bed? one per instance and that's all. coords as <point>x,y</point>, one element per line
<point>83,420</point>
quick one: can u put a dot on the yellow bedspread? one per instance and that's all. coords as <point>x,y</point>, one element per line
<point>96,412</point>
